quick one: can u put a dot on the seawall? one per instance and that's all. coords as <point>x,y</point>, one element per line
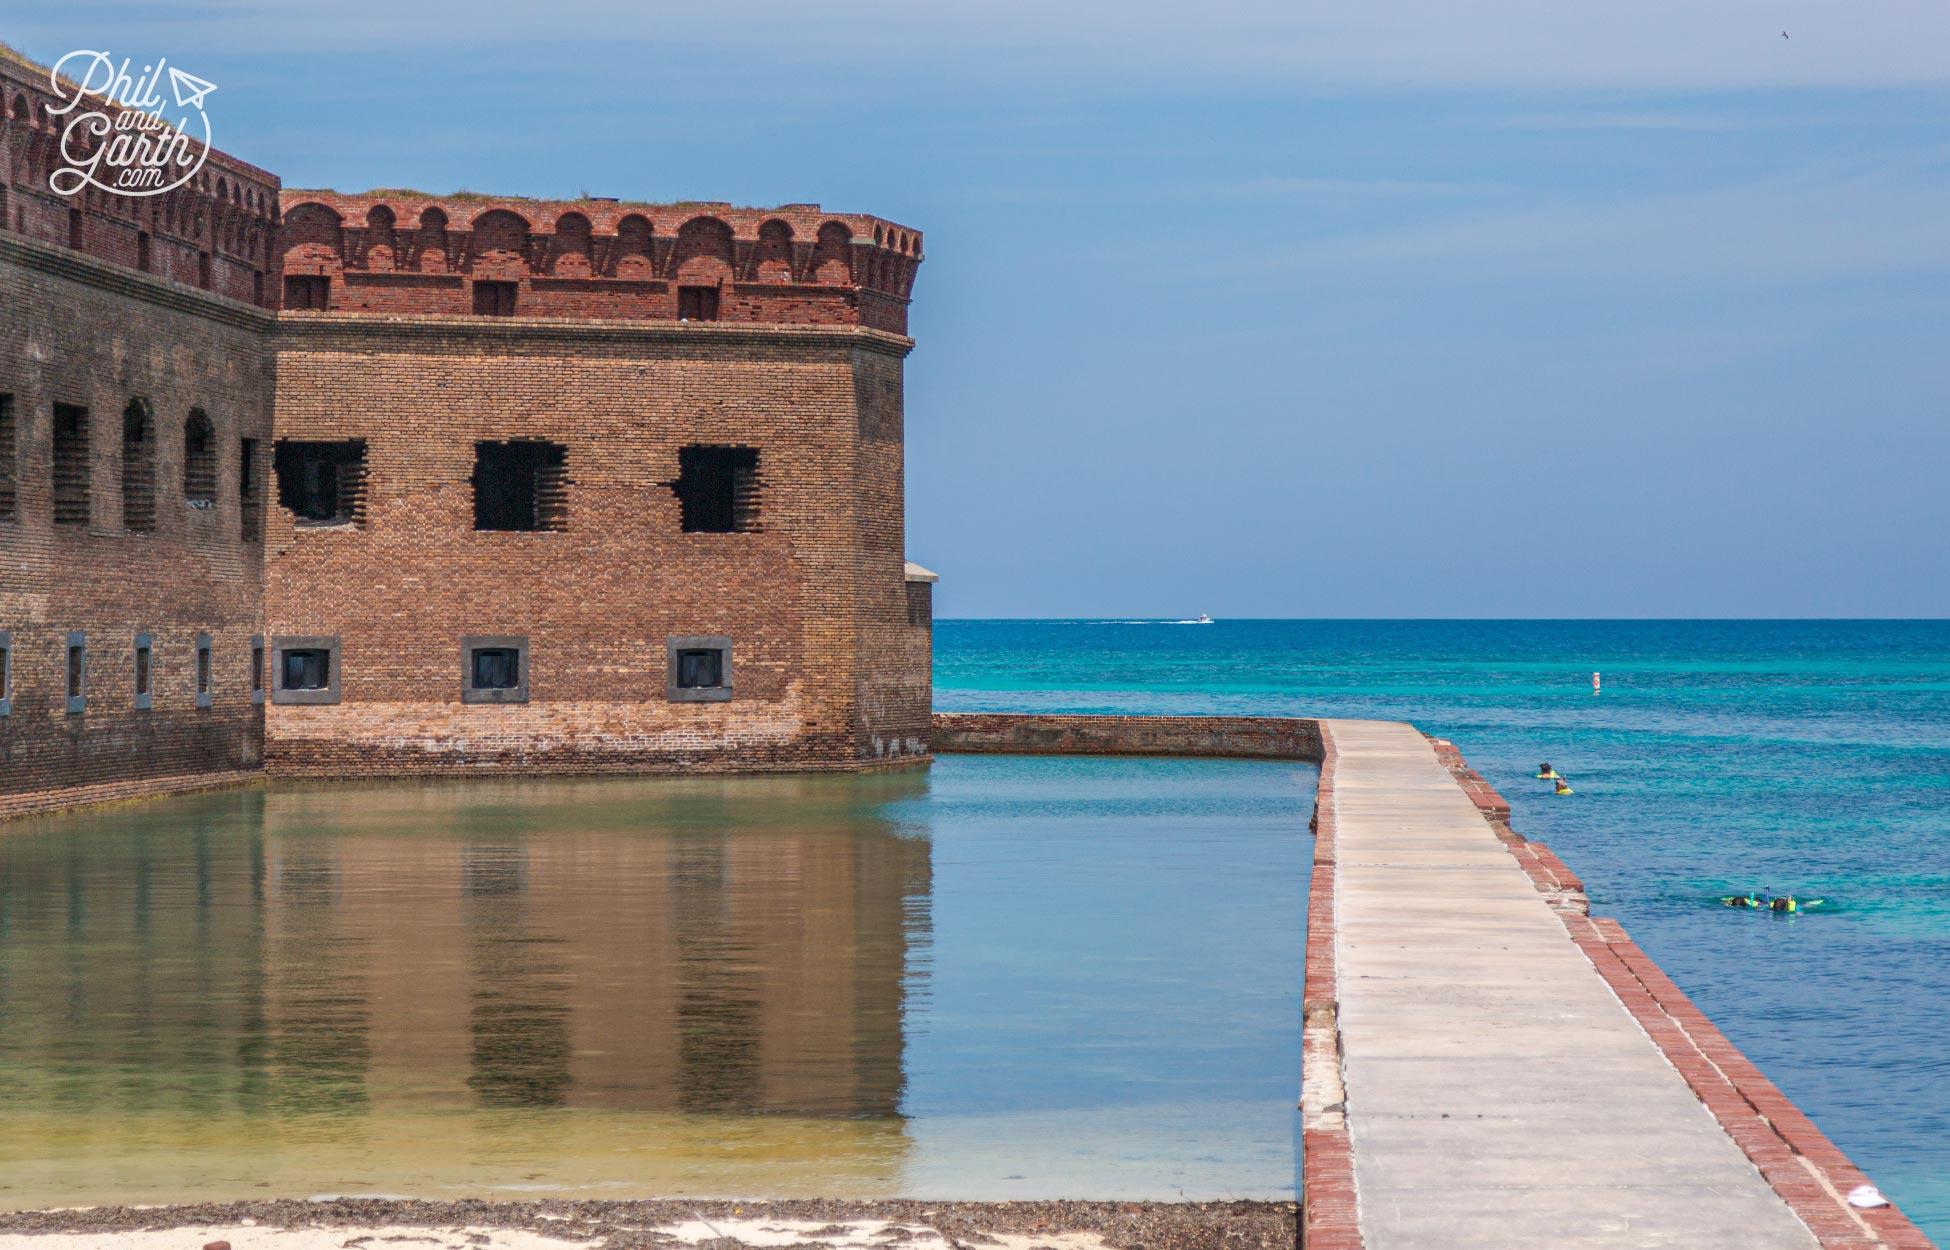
<point>1228,737</point>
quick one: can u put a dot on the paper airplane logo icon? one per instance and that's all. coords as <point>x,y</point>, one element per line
<point>189,89</point>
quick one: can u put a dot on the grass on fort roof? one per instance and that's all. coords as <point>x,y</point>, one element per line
<point>483,197</point>
<point>10,53</point>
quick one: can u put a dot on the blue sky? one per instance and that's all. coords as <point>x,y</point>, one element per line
<point>1415,309</point>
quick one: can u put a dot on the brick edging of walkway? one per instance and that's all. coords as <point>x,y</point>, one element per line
<point>1809,1172</point>
<point>1329,1211</point>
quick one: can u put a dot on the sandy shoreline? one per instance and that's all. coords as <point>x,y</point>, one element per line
<point>386,1224</point>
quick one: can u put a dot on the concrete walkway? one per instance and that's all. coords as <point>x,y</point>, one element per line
<point>1498,1093</point>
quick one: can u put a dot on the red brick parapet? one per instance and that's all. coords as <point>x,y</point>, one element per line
<point>1231,737</point>
<point>216,232</point>
<point>406,253</point>
<point>1808,1171</point>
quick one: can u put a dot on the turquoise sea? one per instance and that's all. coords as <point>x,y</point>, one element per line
<point>1804,756</point>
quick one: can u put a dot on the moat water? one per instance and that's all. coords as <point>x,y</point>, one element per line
<point>998,978</point>
<point>1811,756</point>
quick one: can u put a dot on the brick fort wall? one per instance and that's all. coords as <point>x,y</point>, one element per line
<point>805,596</point>
<point>131,362</point>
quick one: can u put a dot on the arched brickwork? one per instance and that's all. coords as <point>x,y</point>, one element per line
<point>605,260</point>
<point>570,255</point>
<point>498,245</point>
<point>833,254</point>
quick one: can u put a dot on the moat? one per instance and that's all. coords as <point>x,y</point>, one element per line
<point>994,978</point>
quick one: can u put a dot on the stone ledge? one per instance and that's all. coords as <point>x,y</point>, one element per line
<point>1225,737</point>
<point>43,802</point>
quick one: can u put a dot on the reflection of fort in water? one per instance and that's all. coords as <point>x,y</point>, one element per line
<point>728,947</point>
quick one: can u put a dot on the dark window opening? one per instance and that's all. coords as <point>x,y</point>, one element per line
<point>304,669</point>
<point>308,293</point>
<point>203,270</point>
<point>496,668</point>
<point>142,250</point>
<point>199,460</point>
<point>697,303</point>
<point>257,668</point>
<point>717,488</point>
<point>6,673</point>
<point>77,229</point>
<point>138,468</point>
<point>920,605</point>
<point>9,436</point>
<point>520,485</point>
<point>71,467</point>
<point>322,483</point>
<point>700,669</point>
<point>495,299</point>
<point>307,668</point>
<point>77,672</point>
<point>203,671</point>
<point>251,507</point>
<point>142,653</point>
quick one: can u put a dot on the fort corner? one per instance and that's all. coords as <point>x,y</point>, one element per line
<point>646,459</point>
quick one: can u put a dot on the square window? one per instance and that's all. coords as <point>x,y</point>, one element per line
<point>495,299</point>
<point>205,695</point>
<point>697,303</point>
<point>494,668</point>
<point>520,485</point>
<point>144,671</point>
<point>305,669</point>
<point>717,489</point>
<point>699,670</point>
<point>77,672</point>
<point>6,673</point>
<point>497,668</point>
<point>321,483</point>
<point>307,293</point>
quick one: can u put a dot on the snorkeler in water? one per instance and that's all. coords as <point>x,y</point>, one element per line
<point>1767,900</point>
